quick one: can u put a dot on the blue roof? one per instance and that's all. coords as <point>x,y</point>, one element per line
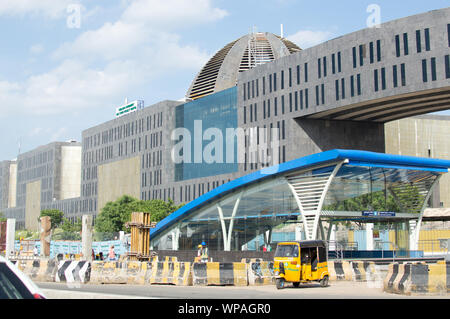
<point>355,158</point>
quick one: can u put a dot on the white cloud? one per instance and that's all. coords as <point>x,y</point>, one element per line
<point>169,14</point>
<point>49,8</point>
<point>37,49</point>
<point>101,66</point>
<point>309,38</point>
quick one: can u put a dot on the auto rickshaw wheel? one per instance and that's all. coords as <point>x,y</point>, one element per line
<point>296,284</point>
<point>280,283</point>
<point>324,282</point>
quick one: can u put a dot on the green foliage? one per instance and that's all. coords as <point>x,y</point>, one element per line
<point>377,201</point>
<point>68,231</point>
<point>2,217</point>
<point>26,234</point>
<point>55,215</point>
<point>114,215</point>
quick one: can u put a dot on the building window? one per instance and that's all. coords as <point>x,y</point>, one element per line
<point>394,76</point>
<point>418,41</point>
<point>371,53</point>
<point>290,102</point>
<point>339,62</point>
<point>397,45</point>
<point>282,79</point>
<point>375,78</point>
<point>282,104</point>
<point>290,77</point>
<point>383,78</point>
<point>337,90</point>
<point>264,85</point>
<point>323,93</point>
<point>301,99</point>
<point>264,109</point>
<point>403,73</point>
<point>352,86</point>
<point>296,101</point>
<point>405,43</point>
<point>447,66</point>
<point>343,88</point>
<point>361,55</point>
<point>257,87</point>
<point>270,83</point>
<point>245,115</point>
<point>319,65</point>
<point>424,71</point>
<point>333,63</point>
<point>317,95</point>
<point>379,50</point>
<point>306,72</point>
<point>275,106</point>
<point>427,40</point>
<point>274,82</point>
<point>354,57</point>
<point>306,98</point>
<point>256,111</point>
<point>298,74</point>
<point>433,69</point>
<point>358,83</point>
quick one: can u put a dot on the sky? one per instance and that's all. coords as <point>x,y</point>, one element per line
<point>65,65</point>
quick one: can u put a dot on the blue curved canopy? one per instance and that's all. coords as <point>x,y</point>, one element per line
<point>354,157</point>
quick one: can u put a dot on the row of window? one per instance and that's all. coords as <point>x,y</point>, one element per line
<point>35,173</point>
<point>151,178</point>
<point>264,134</point>
<point>361,51</point>
<point>136,145</point>
<point>123,131</point>
<point>34,160</point>
<point>253,159</point>
<point>403,41</point>
<point>251,88</point>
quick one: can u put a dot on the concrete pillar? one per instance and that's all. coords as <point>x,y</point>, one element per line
<point>86,237</point>
<point>46,235</point>
<point>10,236</point>
<point>298,233</point>
<point>369,237</point>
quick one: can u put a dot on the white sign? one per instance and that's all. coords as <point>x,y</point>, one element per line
<point>129,108</point>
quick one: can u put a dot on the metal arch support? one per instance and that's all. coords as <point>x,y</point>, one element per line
<point>313,216</point>
<point>414,241</point>
<point>230,228</point>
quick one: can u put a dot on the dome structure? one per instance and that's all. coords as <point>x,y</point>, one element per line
<point>251,50</point>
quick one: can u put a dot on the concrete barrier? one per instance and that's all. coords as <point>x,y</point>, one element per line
<point>418,278</point>
<point>73,271</point>
<point>47,270</point>
<point>358,271</point>
<point>171,273</point>
<point>219,274</point>
<point>340,270</point>
<point>108,272</point>
<point>260,273</point>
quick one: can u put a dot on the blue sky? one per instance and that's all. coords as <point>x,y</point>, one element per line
<point>62,72</point>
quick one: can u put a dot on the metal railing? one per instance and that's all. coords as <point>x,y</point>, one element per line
<point>434,246</point>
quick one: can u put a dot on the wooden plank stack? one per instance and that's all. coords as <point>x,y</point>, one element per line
<point>140,225</point>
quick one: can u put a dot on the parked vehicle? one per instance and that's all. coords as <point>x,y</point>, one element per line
<point>301,262</point>
<point>14,284</point>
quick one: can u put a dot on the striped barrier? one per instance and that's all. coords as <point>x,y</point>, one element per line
<point>418,277</point>
<point>47,270</point>
<point>171,273</point>
<point>219,274</point>
<point>260,273</point>
<point>251,260</point>
<point>108,272</point>
<point>340,270</point>
<point>73,271</point>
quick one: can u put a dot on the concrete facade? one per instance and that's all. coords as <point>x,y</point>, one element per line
<point>423,136</point>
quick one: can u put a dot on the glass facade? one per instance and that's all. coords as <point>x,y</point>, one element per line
<point>262,214</point>
<point>216,111</point>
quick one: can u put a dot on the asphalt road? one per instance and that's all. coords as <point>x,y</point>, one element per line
<point>336,290</point>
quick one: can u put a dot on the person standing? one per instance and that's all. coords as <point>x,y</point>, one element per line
<point>204,253</point>
<point>112,254</point>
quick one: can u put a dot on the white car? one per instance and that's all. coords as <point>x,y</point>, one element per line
<point>14,284</point>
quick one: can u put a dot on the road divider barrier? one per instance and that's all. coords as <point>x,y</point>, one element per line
<point>340,270</point>
<point>260,273</point>
<point>418,277</point>
<point>172,273</point>
<point>108,272</point>
<point>73,271</point>
<point>219,274</point>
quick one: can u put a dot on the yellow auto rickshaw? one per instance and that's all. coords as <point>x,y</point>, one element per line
<point>301,262</point>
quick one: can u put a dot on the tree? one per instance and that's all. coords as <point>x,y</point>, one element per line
<point>55,215</point>
<point>114,215</point>
<point>2,217</point>
<point>69,230</point>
